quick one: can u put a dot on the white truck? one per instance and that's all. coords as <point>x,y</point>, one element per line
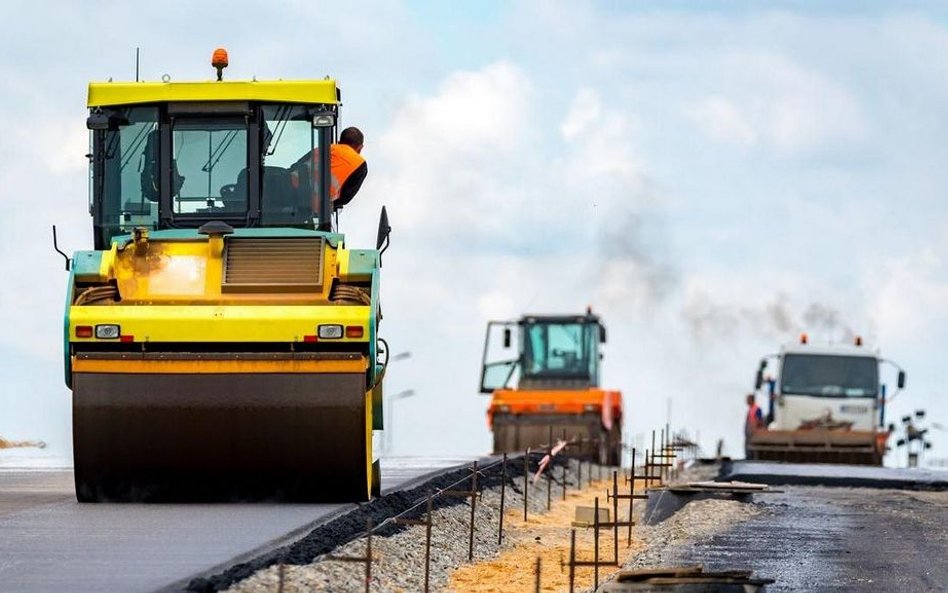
<point>826,405</point>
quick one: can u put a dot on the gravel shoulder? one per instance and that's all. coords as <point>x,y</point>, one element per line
<point>399,551</point>
<point>399,555</point>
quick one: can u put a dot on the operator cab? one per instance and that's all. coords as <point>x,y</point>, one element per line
<point>554,352</point>
<point>179,155</point>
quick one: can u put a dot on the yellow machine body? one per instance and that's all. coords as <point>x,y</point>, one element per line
<point>214,354</point>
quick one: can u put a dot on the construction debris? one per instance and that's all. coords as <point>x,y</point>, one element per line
<point>665,501</point>
<point>691,579</point>
<point>585,516</point>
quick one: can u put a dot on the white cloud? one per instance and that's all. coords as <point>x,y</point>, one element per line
<point>768,99</point>
<point>449,155</point>
<point>585,110</point>
<point>722,120</point>
<point>910,295</point>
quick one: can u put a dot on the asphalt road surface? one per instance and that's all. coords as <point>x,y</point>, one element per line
<point>833,539</point>
<point>50,543</point>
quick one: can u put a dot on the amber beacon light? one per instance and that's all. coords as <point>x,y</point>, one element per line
<point>219,61</point>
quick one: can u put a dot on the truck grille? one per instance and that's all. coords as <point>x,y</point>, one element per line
<point>273,265</point>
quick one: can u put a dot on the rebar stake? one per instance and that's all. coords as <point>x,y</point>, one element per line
<point>565,466</point>
<point>367,559</point>
<point>526,481</point>
<point>470,543</point>
<point>428,543</point>
<point>596,546</point>
<point>503,489</point>
<point>536,572</point>
<point>427,524</point>
<point>549,475</point>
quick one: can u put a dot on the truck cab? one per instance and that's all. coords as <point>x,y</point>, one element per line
<point>826,402</point>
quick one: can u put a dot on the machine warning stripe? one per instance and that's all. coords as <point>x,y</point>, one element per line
<point>83,364</point>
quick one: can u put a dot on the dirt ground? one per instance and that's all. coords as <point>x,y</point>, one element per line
<point>545,537</point>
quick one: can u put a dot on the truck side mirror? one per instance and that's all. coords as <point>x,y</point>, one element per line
<point>506,337</point>
<point>901,382</point>
<point>602,334</point>
<point>759,381</point>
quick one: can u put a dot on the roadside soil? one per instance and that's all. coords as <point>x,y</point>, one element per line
<point>546,538</point>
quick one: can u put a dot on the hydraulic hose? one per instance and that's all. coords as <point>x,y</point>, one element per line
<point>346,293</point>
<point>96,294</point>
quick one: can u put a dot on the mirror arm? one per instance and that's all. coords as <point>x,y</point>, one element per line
<point>60,251</point>
<point>898,368</point>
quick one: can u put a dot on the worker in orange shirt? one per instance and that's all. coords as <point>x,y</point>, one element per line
<point>347,169</point>
<point>753,422</point>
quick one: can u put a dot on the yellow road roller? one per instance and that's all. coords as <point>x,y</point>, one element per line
<point>221,341</point>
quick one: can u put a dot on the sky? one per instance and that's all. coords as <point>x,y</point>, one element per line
<point>712,178</point>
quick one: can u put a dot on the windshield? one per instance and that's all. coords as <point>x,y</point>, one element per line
<point>561,350</point>
<point>209,173</point>
<point>290,166</point>
<point>245,164</point>
<point>129,185</point>
<point>831,376</point>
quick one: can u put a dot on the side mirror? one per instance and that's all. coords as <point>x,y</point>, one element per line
<point>382,238</point>
<point>602,334</point>
<point>507,337</point>
<point>759,381</point>
<point>901,382</point>
<point>891,427</point>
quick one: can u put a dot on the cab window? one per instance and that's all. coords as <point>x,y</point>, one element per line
<point>209,170</point>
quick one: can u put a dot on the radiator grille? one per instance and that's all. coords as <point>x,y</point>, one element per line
<point>273,265</point>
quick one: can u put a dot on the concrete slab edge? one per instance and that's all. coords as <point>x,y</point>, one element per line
<point>729,473</point>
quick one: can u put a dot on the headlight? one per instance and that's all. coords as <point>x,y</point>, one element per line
<point>329,332</point>
<point>108,331</point>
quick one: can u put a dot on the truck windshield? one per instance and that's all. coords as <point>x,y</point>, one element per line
<point>560,350</point>
<point>829,376</point>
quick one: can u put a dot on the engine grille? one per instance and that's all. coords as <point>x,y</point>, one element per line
<point>273,265</point>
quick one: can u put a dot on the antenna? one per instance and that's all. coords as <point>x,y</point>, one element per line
<point>136,63</point>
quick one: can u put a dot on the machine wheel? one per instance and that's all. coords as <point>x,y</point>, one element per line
<point>224,437</point>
